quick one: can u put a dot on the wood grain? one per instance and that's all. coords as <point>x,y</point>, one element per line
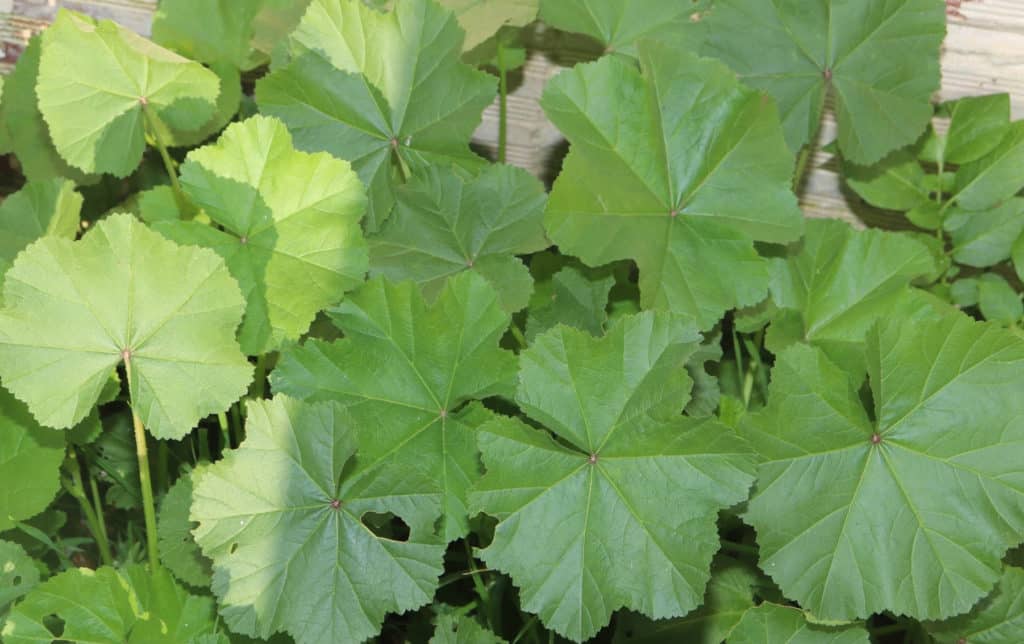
<point>983,54</point>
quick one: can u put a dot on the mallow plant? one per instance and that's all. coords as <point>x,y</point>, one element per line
<point>284,358</point>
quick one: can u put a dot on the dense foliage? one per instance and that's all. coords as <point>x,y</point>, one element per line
<point>284,357</point>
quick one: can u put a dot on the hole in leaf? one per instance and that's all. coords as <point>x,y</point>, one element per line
<point>54,624</point>
<point>233,548</point>
<point>16,581</point>
<point>386,526</point>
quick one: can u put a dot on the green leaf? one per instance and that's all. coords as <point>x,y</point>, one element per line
<point>405,370</point>
<point>994,178</point>
<point>5,137</point>
<point>74,310</point>
<point>285,558</point>
<point>880,59</point>
<point>208,30</point>
<point>856,516</point>
<point>178,549</point>
<point>964,292</point>
<point>985,238</point>
<point>481,19</point>
<point>37,210</point>
<point>977,124</point>
<point>115,455</point>
<point>462,630</point>
<point>30,137</point>
<point>290,226</point>
<point>574,298</point>
<point>30,459</point>
<point>1017,255</point>
<point>158,204</point>
<point>997,619</point>
<point>620,24</point>
<point>444,224</point>
<point>19,574</point>
<point>729,596</point>
<point>583,519</point>
<point>108,73</point>
<point>409,105</point>
<point>653,176</point>
<point>275,20</point>
<point>998,301</point>
<point>132,605</point>
<point>841,281</point>
<point>774,623</point>
<point>706,392</point>
<point>897,182</point>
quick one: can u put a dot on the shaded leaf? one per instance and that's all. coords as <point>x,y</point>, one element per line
<point>774,623</point>
<point>462,630</point>
<point>208,30</point>
<point>619,25</point>
<point>38,209</point>
<point>572,297</point>
<point>178,549</point>
<point>985,238</point>
<point>481,19</point>
<point>30,460</point>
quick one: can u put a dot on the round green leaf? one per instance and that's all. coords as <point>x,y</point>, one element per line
<point>583,528</point>
<point>880,59</point>
<point>94,80</point>
<point>997,619</point>
<point>654,176</point>
<point>289,226</point>
<point>404,370</point>
<point>774,623</point>
<point>38,209</point>
<point>19,574</point>
<point>444,224</point>
<point>286,532</point>
<point>30,459</point>
<point>856,516</point>
<point>75,310</point>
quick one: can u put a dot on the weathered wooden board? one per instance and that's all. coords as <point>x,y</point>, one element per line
<point>984,53</point>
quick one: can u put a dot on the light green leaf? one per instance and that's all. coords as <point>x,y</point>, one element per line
<point>729,596</point>
<point>410,104</point>
<point>857,516</point>
<point>997,619</point>
<point>976,126</point>
<point>573,298</point>
<point>30,137</point>
<point>37,210</point>
<point>208,30</point>
<point>284,525</point>
<point>290,220</point>
<point>481,19</point>
<point>772,623</point>
<point>897,182</point>
<point>583,519</point>
<point>620,24</point>
<point>996,177</point>
<point>880,59</point>
<point>964,292</point>
<point>132,605</point>
<point>462,630</point>
<point>19,574</point>
<point>75,310</point>
<point>985,238</point>
<point>178,549</point>
<point>444,224</point>
<point>654,176</point>
<point>108,73</point>
<point>998,301</point>
<point>30,459</point>
<point>405,370</point>
<point>840,281</point>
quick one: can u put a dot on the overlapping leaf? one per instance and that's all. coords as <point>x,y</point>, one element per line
<point>384,91</point>
<point>444,224</point>
<point>880,59</point>
<point>573,298</point>
<point>290,226</point>
<point>620,24</point>
<point>75,310</point>
<point>132,605</point>
<point>840,282</point>
<point>405,370</point>
<point>462,630</point>
<point>38,209</point>
<point>997,619</point>
<point>19,574</point>
<point>995,177</point>
<point>178,550</point>
<point>775,623</point>
<point>985,238</point>
<point>666,162</point>
<point>483,18</point>
<point>282,519</point>
<point>30,458</point>
<point>95,79</point>
<point>209,30</point>
<point>583,529</point>
<point>909,510</point>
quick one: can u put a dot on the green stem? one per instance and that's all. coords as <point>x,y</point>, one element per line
<point>97,500</point>
<point>502,104</point>
<point>739,548</point>
<point>203,439</point>
<point>77,490</point>
<point>236,425</point>
<point>527,627</point>
<point>184,206</point>
<point>145,483</point>
<point>163,476</point>
<point>225,432</point>
<point>518,335</point>
<point>260,381</point>
<point>478,582</point>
